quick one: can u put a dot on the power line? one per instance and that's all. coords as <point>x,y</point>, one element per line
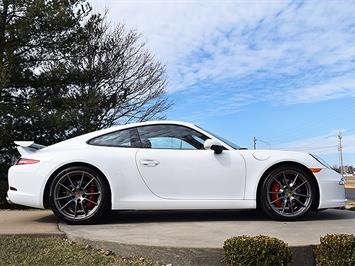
<point>310,147</point>
<point>262,141</point>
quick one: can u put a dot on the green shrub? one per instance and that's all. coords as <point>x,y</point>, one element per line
<point>258,250</point>
<point>336,250</point>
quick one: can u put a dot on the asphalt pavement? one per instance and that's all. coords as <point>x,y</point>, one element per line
<point>350,193</point>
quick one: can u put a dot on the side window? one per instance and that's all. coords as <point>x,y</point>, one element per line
<point>169,143</point>
<point>121,138</point>
<point>171,137</point>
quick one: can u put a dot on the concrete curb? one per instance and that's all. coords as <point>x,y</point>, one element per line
<point>175,256</point>
<point>179,256</point>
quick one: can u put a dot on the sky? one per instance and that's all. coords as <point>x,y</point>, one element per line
<point>280,71</point>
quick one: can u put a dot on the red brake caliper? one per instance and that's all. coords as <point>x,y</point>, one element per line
<point>275,187</point>
<point>89,204</point>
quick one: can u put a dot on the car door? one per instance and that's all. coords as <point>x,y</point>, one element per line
<point>174,165</point>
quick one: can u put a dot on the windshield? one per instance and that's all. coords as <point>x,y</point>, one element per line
<point>229,143</point>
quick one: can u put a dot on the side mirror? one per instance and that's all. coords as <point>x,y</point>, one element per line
<point>211,144</point>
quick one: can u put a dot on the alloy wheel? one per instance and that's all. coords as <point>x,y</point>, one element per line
<point>289,193</point>
<point>77,195</point>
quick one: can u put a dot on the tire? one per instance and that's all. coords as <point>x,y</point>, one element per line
<point>79,195</point>
<point>288,193</point>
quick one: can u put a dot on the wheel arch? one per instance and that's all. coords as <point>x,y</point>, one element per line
<point>61,168</point>
<point>288,163</point>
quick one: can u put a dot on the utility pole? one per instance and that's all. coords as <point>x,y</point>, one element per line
<point>340,148</point>
<point>254,141</point>
<point>262,141</point>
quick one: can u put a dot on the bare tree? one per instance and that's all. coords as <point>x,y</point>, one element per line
<point>113,79</point>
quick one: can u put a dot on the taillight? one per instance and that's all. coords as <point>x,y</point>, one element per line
<point>23,161</point>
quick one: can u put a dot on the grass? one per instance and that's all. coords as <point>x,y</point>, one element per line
<point>350,182</point>
<point>26,250</point>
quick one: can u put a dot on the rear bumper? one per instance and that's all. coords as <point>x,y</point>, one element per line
<point>9,201</point>
<point>20,198</point>
<point>331,189</point>
<point>29,184</point>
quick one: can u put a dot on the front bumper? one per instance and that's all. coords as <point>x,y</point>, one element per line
<point>331,189</point>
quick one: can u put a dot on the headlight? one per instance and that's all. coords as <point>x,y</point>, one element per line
<point>321,161</point>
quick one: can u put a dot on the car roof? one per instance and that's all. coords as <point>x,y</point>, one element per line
<point>83,138</point>
<point>146,123</point>
<point>156,122</point>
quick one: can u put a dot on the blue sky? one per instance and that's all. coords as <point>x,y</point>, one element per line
<point>282,71</point>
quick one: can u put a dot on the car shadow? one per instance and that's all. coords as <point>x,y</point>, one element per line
<point>213,215</point>
<point>124,217</point>
<point>48,219</point>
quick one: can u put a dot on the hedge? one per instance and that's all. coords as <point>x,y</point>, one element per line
<point>257,250</point>
<point>336,249</point>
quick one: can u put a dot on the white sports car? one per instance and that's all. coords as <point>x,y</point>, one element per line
<point>168,165</point>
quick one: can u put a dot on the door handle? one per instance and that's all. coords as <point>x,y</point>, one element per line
<point>149,162</point>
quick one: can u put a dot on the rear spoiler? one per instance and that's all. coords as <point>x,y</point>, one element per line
<point>28,147</point>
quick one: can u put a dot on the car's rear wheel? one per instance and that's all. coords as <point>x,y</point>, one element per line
<point>79,195</point>
<point>288,193</point>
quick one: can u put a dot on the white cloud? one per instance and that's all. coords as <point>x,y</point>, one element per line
<point>323,145</point>
<point>176,29</point>
<point>333,88</point>
<point>307,49</point>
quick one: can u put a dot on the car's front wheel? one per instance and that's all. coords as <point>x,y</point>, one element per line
<point>288,193</point>
<point>79,195</point>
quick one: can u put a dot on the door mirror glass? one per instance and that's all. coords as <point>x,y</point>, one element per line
<point>211,144</point>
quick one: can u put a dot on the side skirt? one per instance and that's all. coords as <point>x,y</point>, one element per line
<point>185,205</point>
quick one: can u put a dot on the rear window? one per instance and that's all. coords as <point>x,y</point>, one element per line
<point>122,138</point>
